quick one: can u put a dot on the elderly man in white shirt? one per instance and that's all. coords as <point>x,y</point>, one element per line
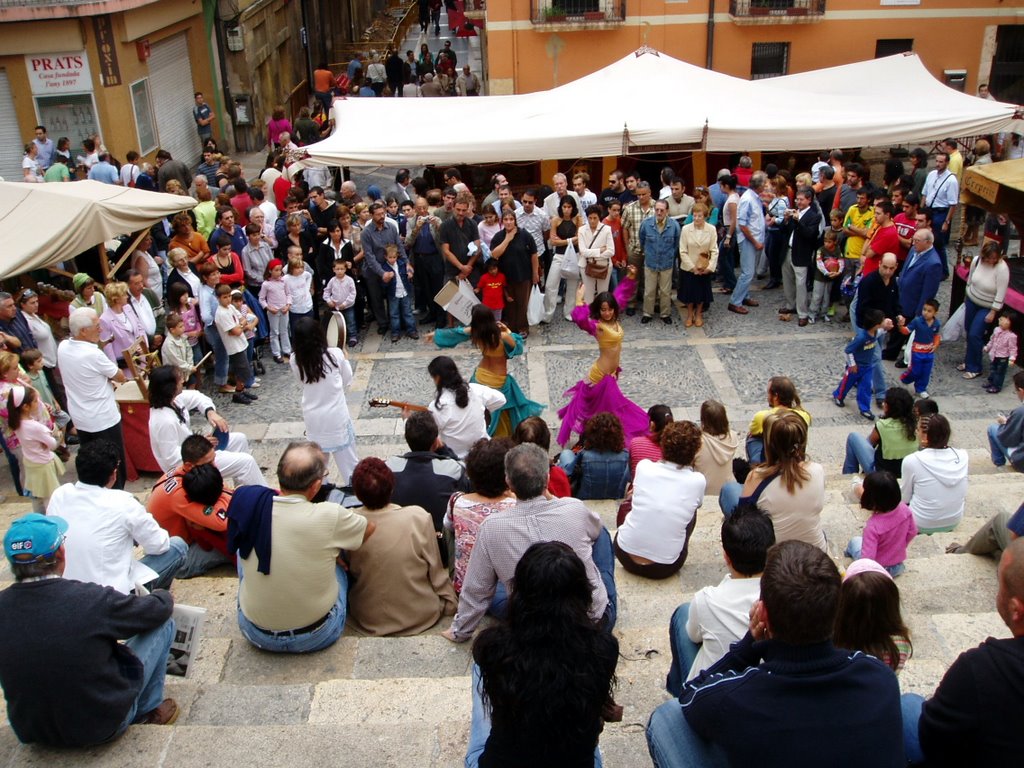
<point>87,375</point>
<point>170,410</point>
<point>104,524</point>
<point>147,308</point>
<point>553,201</point>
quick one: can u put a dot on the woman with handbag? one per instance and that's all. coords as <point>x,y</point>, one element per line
<point>596,248</point>
<point>516,253</point>
<point>698,260</point>
<point>564,233</point>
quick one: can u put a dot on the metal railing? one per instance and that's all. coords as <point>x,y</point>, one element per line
<point>746,8</point>
<point>576,11</point>
<point>387,31</point>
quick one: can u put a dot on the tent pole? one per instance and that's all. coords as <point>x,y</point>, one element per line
<point>56,271</point>
<point>104,261</point>
<point>131,249</point>
<point>710,63</point>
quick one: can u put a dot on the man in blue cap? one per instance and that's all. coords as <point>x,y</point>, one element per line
<point>67,680</point>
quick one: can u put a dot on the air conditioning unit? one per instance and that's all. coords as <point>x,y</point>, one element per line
<point>955,78</point>
<point>234,38</point>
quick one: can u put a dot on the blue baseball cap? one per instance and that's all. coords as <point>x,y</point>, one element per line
<point>34,537</point>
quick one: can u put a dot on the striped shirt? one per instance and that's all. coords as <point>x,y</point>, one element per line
<point>640,448</point>
<point>504,538</point>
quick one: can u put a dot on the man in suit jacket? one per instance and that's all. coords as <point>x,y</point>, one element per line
<point>802,229</point>
<point>919,281</point>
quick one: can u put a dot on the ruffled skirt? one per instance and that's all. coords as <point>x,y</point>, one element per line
<point>589,398</point>
<point>517,406</point>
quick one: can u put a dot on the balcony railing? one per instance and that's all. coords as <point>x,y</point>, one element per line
<point>776,11</point>
<point>598,12</point>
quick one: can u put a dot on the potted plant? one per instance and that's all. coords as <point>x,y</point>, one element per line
<point>552,14</point>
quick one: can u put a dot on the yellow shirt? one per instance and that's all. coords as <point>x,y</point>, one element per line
<point>861,220</point>
<point>757,423</point>
<point>956,165</point>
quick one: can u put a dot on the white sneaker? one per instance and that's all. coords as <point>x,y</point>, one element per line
<point>255,385</point>
<point>923,395</point>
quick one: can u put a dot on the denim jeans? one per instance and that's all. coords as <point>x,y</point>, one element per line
<point>684,650</point>
<point>860,455</point>
<point>1000,453</point>
<point>672,743</point>
<point>997,372</point>
<point>279,341</point>
<point>729,497</point>
<point>910,706</point>
<point>755,449</point>
<point>748,257</point>
<point>199,561</point>
<point>480,726</point>
<point>220,355</point>
<point>167,564</point>
<point>727,264</point>
<point>856,546</point>
<point>400,311</point>
<point>288,642</point>
<point>974,326</point>
<point>151,648</point>
<point>351,324</point>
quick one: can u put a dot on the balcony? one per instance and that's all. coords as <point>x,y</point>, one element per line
<point>750,12</point>
<point>578,14</point>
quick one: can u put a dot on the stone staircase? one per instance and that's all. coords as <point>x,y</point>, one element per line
<point>406,701</point>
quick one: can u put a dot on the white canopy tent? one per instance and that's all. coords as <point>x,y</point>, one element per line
<point>49,223</point>
<point>660,103</point>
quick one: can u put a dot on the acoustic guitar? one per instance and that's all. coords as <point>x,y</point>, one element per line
<point>383,402</point>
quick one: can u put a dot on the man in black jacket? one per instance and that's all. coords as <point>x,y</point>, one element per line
<point>802,230</point>
<point>67,679</point>
<point>975,715</point>
<point>879,290</point>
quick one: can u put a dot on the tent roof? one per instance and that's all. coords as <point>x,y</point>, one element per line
<point>671,104</point>
<point>47,223</point>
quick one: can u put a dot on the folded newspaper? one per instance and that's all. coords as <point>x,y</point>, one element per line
<point>188,629</point>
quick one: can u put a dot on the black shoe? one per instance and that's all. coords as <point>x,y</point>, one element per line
<point>901,363</point>
<point>241,399</point>
<point>868,415</point>
<point>630,311</point>
<point>667,320</point>
<point>838,401</point>
<point>645,320</point>
<point>772,285</point>
<point>250,395</point>
<point>381,330</point>
<point>71,438</point>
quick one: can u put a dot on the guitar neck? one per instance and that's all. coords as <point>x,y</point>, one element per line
<point>397,404</point>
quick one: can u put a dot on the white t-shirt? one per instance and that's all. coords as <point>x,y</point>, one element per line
<point>87,372</point>
<point>228,318</point>
<point>458,427</point>
<point>719,616</point>
<point>665,499</point>
<point>324,408</point>
<point>129,173</point>
<point>299,287</point>
<point>43,335</point>
<point>167,432</point>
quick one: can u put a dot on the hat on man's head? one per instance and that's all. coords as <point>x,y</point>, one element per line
<point>864,565</point>
<point>33,538</point>
<point>80,280</point>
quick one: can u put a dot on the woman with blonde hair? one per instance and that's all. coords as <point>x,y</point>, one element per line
<point>698,260</point>
<point>119,329</point>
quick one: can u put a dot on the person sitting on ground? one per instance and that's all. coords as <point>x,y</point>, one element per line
<point>869,618</point>
<point>535,430</point>
<point>935,480</point>
<point>485,466</point>
<point>459,407</point>
<point>782,395</point>
<point>543,680</point>
<point>787,486</point>
<point>598,467</point>
<point>503,539</point>
<point>191,502</point>
<point>170,424</point>
<point>994,536</point>
<point>428,474</point>
<point>891,527</point>
<point>923,411</point>
<point>718,446</point>
<point>1006,436</point>
<point>400,586</point>
<point>893,438</point>
<point>300,605</point>
<point>784,692</point>
<point>649,446</point>
<point>106,524</point>
<point>654,539</point>
<point>701,631</point>
<point>45,618</point>
<point>975,714</point>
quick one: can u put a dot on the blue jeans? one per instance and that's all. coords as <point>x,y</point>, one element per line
<point>351,325</point>
<point>401,315</point>
<point>974,325</point>
<point>755,449</point>
<point>910,705</point>
<point>997,372</point>
<point>198,561</point>
<point>856,546</point>
<point>1000,453</point>
<point>151,648</point>
<point>220,355</point>
<point>672,743</point>
<point>748,258</point>
<point>877,372</point>
<point>288,642</point>
<point>860,455</point>
<point>862,381</point>
<point>480,726</point>
<point>729,497</point>
<point>167,564</point>
<point>684,650</point>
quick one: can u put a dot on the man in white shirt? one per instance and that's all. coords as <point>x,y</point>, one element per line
<point>561,186</point>
<point>149,309</point>
<point>940,196</point>
<point>701,631</point>
<point>104,525</point>
<point>583,193</point>
<point>87,375</point>
<point>534,221</point>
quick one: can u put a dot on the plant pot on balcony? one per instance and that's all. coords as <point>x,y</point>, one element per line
<point>796,11</point>
<point>594,15</point>
<point>554,18</point>
<point>758,11</point>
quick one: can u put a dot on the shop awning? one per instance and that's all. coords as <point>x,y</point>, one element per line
<point>47,223</point>
<point>996,187</point>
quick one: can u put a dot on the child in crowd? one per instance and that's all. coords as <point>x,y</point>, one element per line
<point>400,295</point>
<point>534,429</point>
<point>868,618</point>
<point>1002,351</point>
<point>340,296</point>
<point>277,300</point>
<point>43,469</point>
<point>186,307</point>
<point>830,266</point>
<point>251,321</point>
<point>492,289</point>
<point>860,363</point>
<point>300,286</point>
<point>718,446</point>
<point>176,350</point>
<point>922,352</point>
<point>231,327</point>
<point>924,410</point>
<point>835,226</point>
<point>891,526</point>
<point>32,362</point>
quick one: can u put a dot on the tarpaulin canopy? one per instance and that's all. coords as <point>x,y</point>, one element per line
<point>648,101</point>
<point>48,223</point>
<point>996,187</point>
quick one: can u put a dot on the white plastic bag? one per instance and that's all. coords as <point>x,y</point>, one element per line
<point>570,267</point>
<point>954,327</point>
<point>535,307</point>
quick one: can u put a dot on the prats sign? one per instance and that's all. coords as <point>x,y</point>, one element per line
<point>59,73</point>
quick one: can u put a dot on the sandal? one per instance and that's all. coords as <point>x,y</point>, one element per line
<point>689,322</point>
<point>972,374</point>
<point>962,367</point>
<point>699,322</point>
